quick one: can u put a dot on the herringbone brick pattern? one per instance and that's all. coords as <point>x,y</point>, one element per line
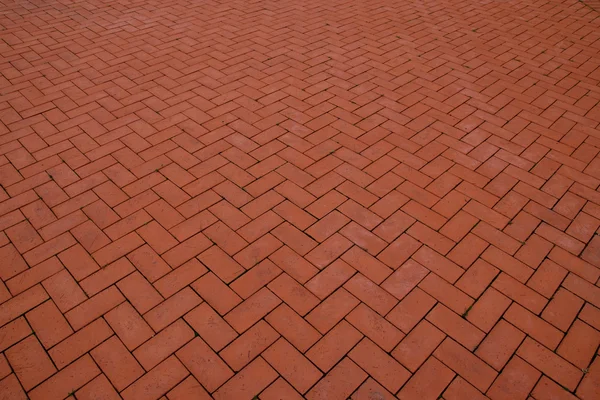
<point>283,200</point>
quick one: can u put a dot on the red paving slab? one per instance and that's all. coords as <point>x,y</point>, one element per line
<point>284,200</point>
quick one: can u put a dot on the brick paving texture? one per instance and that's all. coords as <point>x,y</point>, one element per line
<point>282,200</point>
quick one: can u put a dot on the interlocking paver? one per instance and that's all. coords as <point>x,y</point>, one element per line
<point>279,200</point>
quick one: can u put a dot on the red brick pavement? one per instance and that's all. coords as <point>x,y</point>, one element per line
<point>282,200</point>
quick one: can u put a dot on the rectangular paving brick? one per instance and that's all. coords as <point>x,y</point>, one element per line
<point>320,210</point>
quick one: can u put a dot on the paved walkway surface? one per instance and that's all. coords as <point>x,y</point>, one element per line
<point>282,200</point>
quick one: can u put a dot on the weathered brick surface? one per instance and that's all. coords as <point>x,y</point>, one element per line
<point>285,200</point>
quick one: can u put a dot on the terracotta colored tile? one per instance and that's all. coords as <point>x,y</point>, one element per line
<point>180,278</point>
<point>438,264</point>
<point>94,307</point>
<point>157,237</point>
<point>187,250</point>
<point>500,344</point>
<point>465,364</point>
<point>562,309</point>
<point>294,265</point>
<point>547,389</point>
<point>256,278</point>
<point>90,236</point>
<point>574,264</point>
<point>508,264</point>
<point>379,365</point>
<point>49,249</point>
<point>330,278</point>
<point>579,345</point>
<point>230,215</point>
<point>590,254</point>
<point>293,327</point>
<point>590,315</point>
<point>249,345</point>
<point>389,204</point>
<point>213,190</point>
<point>399,251</point>
<point>33,276</point>
<point>216,293</point>
<point>49,324</point>
<point>334,345</point>
<point>172,308</point>
<point>416,347</point>
<point>30,362</point>
<point>99,386</point>
<point>371,294</point>
<point>259,226</point>
<point>294,238</point>
<point>394,226</point>
<point>118,248</point>
<point>370,390</point>
<point>375,327</point>
<point>295,215</point>
<point>429,381</point>
<point>292,365</point>
<point>461,389</point>
<point>14,264</point>
<point>64,291</point>
<point>163,344</point>
<point>477,278</point>
<point>225,238</point>
<point>588,389</point>
<point>339,383</point>
<point>359,214</point>
<point>328,251</point>
<point>78,262</point>
<point>560,239</point>
<point>80,343</point>
<point>127,224</point>
<point>117,363</point>
<point>139,292</point>
<point>516,380</point>
<point>550,364</point>
<point>210,326</point>
<point>21,303</point>
<point>442,291</point>
<point>216,260</point>
<point>293,294</point>
<point>327,314</point>
<point>252,309</point>
<point>456,327</point>
<point>497,238</point>
<point>488,309</point>
<point>404,279</point>
<point>280,389</point>
<point>24,236</point>
<point>519,293</point>
<point>369,266</point>
<point>258,251</point>
<point>158,381</point>
<point>11,388</point>
<point>67,380</point>
<point>534,251</point>
<point>411,310</point>
<point>13,332</point>
<point>582,288</point>
<point>249,381</point>
<point>164,214</point>
<point>188,389</point>
<point>106,277</point>
<point>204,364</point>
<point>547,278</point>
<point>467,251</point>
